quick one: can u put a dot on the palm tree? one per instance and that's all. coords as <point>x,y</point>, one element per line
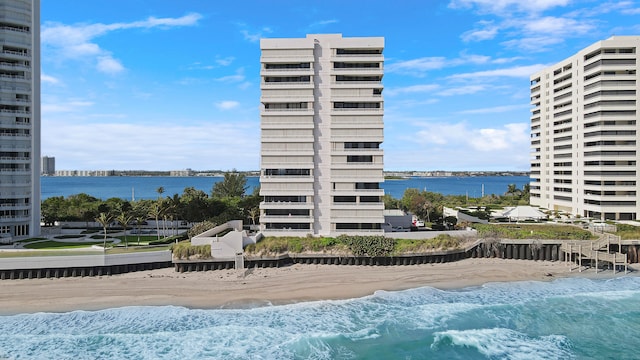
<point>104,219</point>
<point>124,218</point>
<point>155,211</point>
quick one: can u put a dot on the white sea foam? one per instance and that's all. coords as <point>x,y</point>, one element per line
<point>496,320</point>
<point>506,343</point>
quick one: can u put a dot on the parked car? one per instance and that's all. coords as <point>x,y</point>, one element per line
<point>418,223</point>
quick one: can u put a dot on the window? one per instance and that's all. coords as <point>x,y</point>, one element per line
<point>359,159</point>
<point>361,145</point>
<point>287,172</point>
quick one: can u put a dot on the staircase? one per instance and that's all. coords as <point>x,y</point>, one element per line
<point>595,252</point>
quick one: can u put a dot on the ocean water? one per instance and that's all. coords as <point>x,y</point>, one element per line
<point>572,318</point>
<point>144,187</point>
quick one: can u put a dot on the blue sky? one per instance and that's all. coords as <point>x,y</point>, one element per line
<point>169,85</point>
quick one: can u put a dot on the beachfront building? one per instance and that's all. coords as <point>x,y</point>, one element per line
<point>321,131</point>
<point>48,165</point>
<point>584,132</point>
<point>19,118</point>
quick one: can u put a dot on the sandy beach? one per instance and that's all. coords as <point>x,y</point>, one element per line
<point>296,283</point>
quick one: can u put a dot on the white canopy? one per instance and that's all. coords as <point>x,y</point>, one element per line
<point>523,213</point>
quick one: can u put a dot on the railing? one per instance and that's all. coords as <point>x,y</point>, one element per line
<point>14,135</point>
<point>18,53</point>
<point>14,29</point>
<point>10,111</point>
<point>14,65</point>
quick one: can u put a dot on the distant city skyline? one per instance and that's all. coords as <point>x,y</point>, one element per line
<point>171,85</point>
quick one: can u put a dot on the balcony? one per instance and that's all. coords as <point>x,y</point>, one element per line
<point>286,205</point>
<point>293,219</point>
<point>15,54</point>
<point>276,112</point>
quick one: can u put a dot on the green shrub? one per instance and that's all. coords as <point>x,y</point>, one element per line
<point>368,245</point>
<point>184,251</point>
<point>628,232</point>
<point>440,242</point>
<point>524,231</point>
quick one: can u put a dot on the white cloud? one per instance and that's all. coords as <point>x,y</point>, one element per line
<point>225,61</point>
<point>255,36</point>
<point>238,77</point>
<point>77,41</point>
<point>557,26</point>
<point>322,23</point>
<point>495,109</point>
<point>533,44</point>
<point>64,106</point>
<point>412,89</point>
<point>504,7</point>
<point>49,79</point>
<point>486,31</point>
<point>222,144</point>
<point>109,65</point>
<point>462,90</point>
<point>517,71</point>
<point>488,140</point>
<point>227,104</point>
<point>417,66</point>
<point>458,146</point>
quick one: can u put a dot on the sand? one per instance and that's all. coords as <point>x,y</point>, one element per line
<point>231,288</point>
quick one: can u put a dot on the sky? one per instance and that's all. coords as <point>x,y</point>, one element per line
<point>171,85</point>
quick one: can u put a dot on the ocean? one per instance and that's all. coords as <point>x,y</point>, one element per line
<point>573,318</point>
<point>144,187</point>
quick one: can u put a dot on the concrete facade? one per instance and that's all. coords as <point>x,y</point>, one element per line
<point>19,118</point>
<point>584,132</point>
<point>48,165</point>
<point>321,131</point>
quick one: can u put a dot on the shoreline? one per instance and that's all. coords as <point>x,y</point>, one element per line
<point>267,286</point>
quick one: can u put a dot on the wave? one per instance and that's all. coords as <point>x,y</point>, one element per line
<point>498,318</point>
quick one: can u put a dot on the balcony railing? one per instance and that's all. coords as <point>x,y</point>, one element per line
<point>18,53</point>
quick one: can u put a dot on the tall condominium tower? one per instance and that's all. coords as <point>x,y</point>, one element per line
<point>322,127</point>
<point>19,118</point>
<point>584,132</point>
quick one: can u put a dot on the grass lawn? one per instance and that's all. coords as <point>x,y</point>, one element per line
<point>18,254</point>
<point>62,245</point>
<point>133,239</point>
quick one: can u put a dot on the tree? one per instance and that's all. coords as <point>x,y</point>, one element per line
<point>155,211</point>
<point>124,218</point>
<point>195,205</point>
<point>140,212</point>
<point>53,209</point>
<point>234,185</point>
<point>173,209</point>
<point>104,219</point>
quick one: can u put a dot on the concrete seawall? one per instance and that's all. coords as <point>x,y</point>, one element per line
<point>101,265</point>
<point>82,265</point>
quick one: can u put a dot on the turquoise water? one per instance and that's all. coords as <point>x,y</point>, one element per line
<point>564,319</point>
<point>144,187</point>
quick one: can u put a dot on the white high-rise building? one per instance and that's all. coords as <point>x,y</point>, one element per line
<point>584,132</point>
<point>19,118</point>
<point>322,127</point>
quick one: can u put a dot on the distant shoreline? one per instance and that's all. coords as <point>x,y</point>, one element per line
<point>255,173</point>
